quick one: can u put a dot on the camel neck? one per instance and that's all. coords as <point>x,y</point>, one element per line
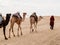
<point>7,19</point>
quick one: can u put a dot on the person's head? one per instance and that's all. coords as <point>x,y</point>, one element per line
<point>52,16</point>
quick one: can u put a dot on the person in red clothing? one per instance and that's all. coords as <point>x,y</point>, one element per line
<point>52,22</point>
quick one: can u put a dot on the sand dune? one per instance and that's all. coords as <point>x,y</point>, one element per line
<point>44,36</point>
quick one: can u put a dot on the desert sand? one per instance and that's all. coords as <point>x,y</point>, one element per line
<point>43,36</point>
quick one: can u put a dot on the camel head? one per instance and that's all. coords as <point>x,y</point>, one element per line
<point>40,17</point>
<point>24,15</point>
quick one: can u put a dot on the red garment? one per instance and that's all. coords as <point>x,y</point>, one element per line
<point>52,20</point>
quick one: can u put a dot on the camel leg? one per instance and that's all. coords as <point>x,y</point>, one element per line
<point>11,27</point>
<point>4,33</point>
<point>9,32</point>
<point>18,31</point>
<point>31,28</point>
<point>35,27</point>
<point>13,32</point>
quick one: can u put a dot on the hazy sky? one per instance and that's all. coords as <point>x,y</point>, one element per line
<point>41,7</point>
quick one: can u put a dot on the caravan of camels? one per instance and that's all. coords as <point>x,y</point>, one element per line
<point>18,19</point>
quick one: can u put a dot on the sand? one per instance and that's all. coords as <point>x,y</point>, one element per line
<point>44,36</point>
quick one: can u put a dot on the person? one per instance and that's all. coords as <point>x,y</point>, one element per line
<point>52,22</point>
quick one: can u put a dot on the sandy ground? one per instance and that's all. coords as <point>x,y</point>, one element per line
<point>44,36</point>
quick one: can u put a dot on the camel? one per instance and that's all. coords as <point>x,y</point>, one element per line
<point>33,22</point>
<point>4,23</point>
<point>18,21</point>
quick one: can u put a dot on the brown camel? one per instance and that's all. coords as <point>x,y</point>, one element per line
<point>18,21</point>
<point>33,22</point>
<point>4,23</point>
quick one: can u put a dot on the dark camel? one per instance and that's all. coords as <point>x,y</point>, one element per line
<point>4,24</point>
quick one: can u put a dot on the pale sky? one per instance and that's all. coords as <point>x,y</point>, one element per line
<point>41,7</point>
